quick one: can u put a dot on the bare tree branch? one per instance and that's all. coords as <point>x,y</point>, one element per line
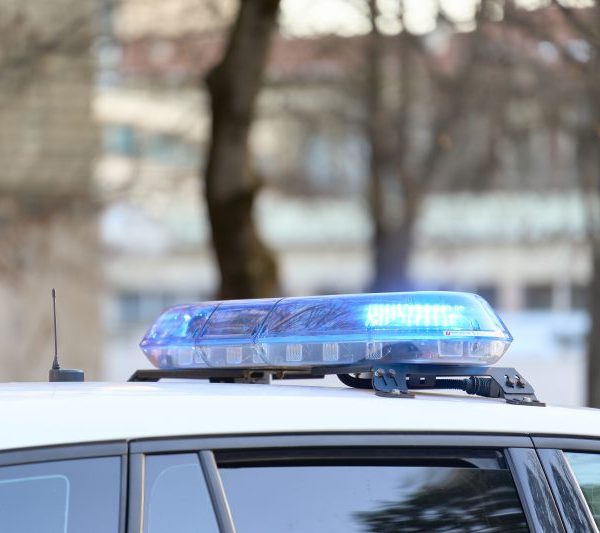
<point>571,15</point>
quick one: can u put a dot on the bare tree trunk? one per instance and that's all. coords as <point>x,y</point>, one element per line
<point>589,169</point>
<point>393,272</point>
<point>393,255</point>
<point>248,269</point>
<point>591,188</point>
<point>586,24</point>
<point>593,395</point>
<point>392,242</point>
<point>376,126</point>
<point>395,242</point>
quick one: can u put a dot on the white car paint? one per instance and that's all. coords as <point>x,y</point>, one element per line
<point>43,414</point>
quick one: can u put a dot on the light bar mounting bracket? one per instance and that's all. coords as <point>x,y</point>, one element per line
<point>390,380</point>
<point>493,382</point>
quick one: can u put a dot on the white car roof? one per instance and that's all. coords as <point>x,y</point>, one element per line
<point>42,414</point>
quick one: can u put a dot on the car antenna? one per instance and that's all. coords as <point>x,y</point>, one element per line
<point>56,373</point>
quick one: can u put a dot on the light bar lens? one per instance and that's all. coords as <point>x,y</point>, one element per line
<point>416,327</point>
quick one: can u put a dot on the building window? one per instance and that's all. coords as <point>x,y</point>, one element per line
<point>129,307</point>
<point>538,297</point>
<point>120,140</point>
<point>141,307</point>
<point>170,150</point>
<point>489,293</point>
<point>580,297</point>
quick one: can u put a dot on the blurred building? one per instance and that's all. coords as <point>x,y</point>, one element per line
<point>48,212</point>
<point>520,241</point>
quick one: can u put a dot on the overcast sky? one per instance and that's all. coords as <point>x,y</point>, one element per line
<point>348,17</point>
<point>305,17</point>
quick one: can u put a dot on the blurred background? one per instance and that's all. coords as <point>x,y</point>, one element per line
<point>157,152</point>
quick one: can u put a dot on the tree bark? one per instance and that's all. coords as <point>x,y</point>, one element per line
<point>393,249</point>
<point>378,159</point>
<point>248,268</point>
<point>591,188</point>
<point>593,396</point>
<point>392,241</point>
<point>586,24</point>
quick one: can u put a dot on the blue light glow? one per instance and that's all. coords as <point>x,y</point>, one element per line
<point>430,327</point>
<point>416,315</point>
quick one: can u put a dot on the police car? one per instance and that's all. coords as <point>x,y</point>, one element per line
<point>203,444</point>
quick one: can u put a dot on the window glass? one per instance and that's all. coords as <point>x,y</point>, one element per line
<point>356,498</point>
<point>586,467</point>
<point>489,293</point>
<point>129,307</point>
<point>175,496</point>
<point>61,496</point>
<point>580,297</point>
<point>120,140</point>
<point>538,297</point>
<point>136,307</point>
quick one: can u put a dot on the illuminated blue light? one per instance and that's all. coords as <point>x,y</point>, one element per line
<point>415,315</point>
<point>426,327</point>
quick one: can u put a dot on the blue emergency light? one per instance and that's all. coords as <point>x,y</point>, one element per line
<point>391,328</point>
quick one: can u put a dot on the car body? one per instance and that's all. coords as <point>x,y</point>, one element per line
<point>192,455</point>
<point>209,441</point>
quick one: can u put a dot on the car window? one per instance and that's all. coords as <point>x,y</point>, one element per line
<point>61,496</point>
<point>586,467</point>
<point>175,495</point>
<point>375,497</point>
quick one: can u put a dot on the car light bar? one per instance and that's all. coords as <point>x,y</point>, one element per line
<point>410,327</point>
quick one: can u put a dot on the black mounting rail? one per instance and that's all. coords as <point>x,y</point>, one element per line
<point>250,375</point>
<point>390,380</point>
<point>489,381</point>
